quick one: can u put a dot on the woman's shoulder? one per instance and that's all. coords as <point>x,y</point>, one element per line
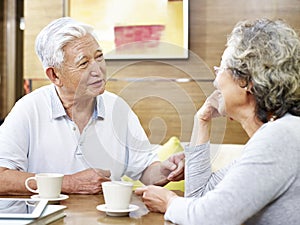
<point>281,132</point>
<point>286,123</point>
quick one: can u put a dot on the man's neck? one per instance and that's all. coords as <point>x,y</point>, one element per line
<point>79,109</point>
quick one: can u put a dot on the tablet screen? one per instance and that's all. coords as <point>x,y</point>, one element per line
<point>21,208</point>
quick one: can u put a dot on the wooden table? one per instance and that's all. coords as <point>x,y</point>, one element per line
<point>81,210</point>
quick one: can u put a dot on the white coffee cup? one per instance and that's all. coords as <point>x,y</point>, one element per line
<point>48,184</point>
<point>117,194</point>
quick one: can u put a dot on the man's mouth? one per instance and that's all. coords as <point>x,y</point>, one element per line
<point>97,82</point>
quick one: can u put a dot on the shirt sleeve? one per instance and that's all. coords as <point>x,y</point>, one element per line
<point>14,139</point>
<point>263,173</point>
<point>140,152</point>
<point>198,173</point>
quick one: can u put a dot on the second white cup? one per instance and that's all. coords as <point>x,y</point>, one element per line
<point>48,184</point>
<point>117,194</point>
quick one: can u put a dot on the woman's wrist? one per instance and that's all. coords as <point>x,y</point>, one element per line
<point>171,200</point>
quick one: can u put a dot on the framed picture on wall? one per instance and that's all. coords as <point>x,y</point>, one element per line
<point>135,29</point>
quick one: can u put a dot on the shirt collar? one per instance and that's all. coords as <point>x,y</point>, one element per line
<point>59,111</point>
<point>99,111</point>
<point>56,105</point>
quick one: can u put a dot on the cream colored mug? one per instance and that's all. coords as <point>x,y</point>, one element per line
<point>48,184</point>
<point>117,194</point>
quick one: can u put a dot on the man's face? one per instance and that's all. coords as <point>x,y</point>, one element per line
<point>83,72</point>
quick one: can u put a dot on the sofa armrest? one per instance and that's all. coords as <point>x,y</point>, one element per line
<point>223,154</point>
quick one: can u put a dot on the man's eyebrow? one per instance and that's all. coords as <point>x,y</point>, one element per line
<point>99,50</point>
<point>79,58</point>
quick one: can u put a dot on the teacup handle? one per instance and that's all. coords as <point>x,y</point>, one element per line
<point>27,186</point>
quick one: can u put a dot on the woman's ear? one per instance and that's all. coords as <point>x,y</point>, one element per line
<point>51,74</point>
<point>248,88</point>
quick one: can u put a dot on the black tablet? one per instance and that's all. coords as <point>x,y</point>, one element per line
<point>21,207</point>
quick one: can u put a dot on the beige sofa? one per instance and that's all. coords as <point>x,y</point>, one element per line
<point>221,155</point>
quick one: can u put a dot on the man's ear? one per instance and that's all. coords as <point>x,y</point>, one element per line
<point>51,74</point>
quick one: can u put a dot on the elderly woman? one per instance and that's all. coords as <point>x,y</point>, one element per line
<point>258,82</point>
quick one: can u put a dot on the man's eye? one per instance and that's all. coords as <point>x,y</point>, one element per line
<point>83,63</point>
<point>99,57</point>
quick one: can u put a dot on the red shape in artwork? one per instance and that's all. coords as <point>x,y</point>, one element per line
<point>138,33</point>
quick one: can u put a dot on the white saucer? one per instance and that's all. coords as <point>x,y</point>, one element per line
<point>60,198</point>
<point>121,212</point>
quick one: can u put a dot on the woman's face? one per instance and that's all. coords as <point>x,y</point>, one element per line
<point>235,97</point>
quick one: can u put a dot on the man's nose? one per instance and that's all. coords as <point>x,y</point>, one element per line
<point>95,69</point>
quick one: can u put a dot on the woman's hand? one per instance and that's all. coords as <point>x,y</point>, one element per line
<point>157,199</point>
<point>214,106</point>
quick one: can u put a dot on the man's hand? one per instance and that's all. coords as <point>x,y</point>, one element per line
<point>161,173</point>
<point>85,182</point>
<point>172,169</point>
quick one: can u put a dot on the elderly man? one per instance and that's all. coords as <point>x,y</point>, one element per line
<point>74,126</point>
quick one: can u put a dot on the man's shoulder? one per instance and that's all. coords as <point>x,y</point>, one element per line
<point>37,95</point>
<point>111,97</point>
<point>113,100</point>
<point>108,94</point>
<point>42,90</point>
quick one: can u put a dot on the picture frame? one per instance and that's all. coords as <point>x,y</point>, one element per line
<point>135,29</point>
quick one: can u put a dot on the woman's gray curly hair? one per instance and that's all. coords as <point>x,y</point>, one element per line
<point>267,54</point>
